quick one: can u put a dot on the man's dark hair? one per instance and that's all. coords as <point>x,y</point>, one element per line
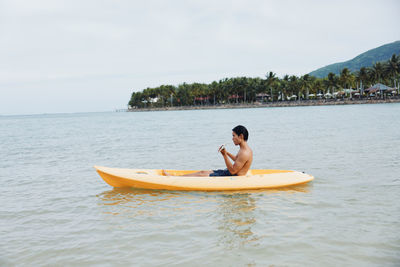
<point>241,130</point>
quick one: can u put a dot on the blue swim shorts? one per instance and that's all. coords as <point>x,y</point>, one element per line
<point>221,173</point>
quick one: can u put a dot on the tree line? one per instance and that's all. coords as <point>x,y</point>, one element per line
<point>248,90</point>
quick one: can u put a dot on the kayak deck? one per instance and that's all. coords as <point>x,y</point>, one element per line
<point>155,179</point>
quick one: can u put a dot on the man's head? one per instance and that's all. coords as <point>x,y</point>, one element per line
<point>239,134</point>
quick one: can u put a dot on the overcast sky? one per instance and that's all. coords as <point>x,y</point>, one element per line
<point>76,56</point>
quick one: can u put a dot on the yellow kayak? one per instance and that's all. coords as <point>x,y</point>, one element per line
<point>155,179</point>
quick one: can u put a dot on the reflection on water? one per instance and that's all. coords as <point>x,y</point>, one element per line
<point>131,195</point>
<point>237,218</point>
<point>238,214</point>
<point>140,196</point>
<point>134,197</point>
<point>233,213</point>
<point>132,202</point>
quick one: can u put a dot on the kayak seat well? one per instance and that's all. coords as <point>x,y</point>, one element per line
<point>175,172</point>
<point>142,172</point>
<point>185,172</point>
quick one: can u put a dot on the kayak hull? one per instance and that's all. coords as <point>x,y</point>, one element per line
<point>154,179</point>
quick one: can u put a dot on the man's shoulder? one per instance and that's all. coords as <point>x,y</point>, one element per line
<point>245,152</point>
<point>247,149</point>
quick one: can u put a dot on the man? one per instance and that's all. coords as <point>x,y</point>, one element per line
<point>241,162</point>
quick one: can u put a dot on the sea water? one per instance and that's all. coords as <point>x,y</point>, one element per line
<point>56,210</point>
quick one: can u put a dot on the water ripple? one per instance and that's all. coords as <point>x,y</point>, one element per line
<point>57,211</point>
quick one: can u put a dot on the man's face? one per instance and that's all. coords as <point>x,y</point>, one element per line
<point>235,138</point>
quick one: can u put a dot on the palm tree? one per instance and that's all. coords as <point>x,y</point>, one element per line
<point>294,85</point>
<point>332,82</point>
<point>284,86</point>
<point>346,78</point>
<point>256,86</point>
<point>214,91</point>
<point>167,93</point>
<point>317,86</point>
<point>184,94</point>
<point>392,68</point>
<point>305,84</point>
<point>362,77</point>
<point>271,82</point>
<point>376,72</point>
<point>227,88</point>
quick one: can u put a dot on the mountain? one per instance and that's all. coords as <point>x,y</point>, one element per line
<point>367,59</point>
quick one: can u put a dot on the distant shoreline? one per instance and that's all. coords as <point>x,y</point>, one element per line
<point>318,102</point>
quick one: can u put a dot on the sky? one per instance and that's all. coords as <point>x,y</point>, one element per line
<point>90,55</point>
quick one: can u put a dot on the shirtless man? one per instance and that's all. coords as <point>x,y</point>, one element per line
<point>241,162</point>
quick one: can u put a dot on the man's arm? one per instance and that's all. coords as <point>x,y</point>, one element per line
<point>231,156</point>
<point>237,165</point>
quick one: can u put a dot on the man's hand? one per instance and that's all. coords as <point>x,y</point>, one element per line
<point>223,151</point>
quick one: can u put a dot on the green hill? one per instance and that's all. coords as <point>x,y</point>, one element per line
<point>366,59</point>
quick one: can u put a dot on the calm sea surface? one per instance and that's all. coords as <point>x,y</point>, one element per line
<point>56,210</point>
